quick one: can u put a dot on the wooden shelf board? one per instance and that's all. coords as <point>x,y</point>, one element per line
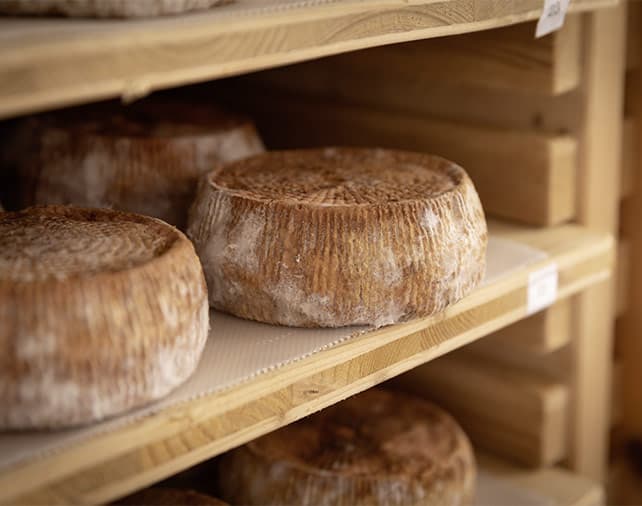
<point>112,464</point>
<point>49,63</point>
<point>552,485</point>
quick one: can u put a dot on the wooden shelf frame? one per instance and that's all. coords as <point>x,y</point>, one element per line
<point>111,465</point>
<point>50,63</point>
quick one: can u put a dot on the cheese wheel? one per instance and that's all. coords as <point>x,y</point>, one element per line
<point>105,8</point>
<point>100,311</point>
<point>145,160</point>
<point>378,448</point>
<point>159,496</point>
<point>338,236</point>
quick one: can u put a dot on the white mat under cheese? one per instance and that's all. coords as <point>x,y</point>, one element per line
<point>238,350</point>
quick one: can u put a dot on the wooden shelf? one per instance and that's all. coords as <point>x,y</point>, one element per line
<point>504,484</point>
<point>48,63</point>
<point>112,463</point>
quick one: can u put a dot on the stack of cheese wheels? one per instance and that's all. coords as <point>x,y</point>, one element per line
<point>105,8</point>
<point>159,496</point>
<point>100,311</point>
<point>338,236</point>
<point>378,448</point>
<point>145,160</point>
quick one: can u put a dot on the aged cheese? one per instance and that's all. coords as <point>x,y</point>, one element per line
<point>338,236</point>
<point>378,448</point>
<point>105,8</point>
<point>159,496</point>
<point>100,312</point>
<point>146,159</point>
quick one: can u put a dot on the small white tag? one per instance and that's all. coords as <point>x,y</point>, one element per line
<point>542,288</point>
<point>552,17</point>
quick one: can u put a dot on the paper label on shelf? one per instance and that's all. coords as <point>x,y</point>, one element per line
<point>552,17</point>
<point>542,288</point>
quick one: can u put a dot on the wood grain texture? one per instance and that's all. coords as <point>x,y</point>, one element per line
<point>598,204</point>
<point>630,156</point>
<point>493,157</point>
<point>541,333</point>
<point>560,486</point>
<point>634,25</point>
<point>118,463</point>
<point>616,393</point>
<point>631,324</point>
<point>622,277</point>
<point>513,413</point>
<point>53,63</point>
<point>508,59</point>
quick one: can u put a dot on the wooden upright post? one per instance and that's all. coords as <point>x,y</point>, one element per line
<point>598,199</point>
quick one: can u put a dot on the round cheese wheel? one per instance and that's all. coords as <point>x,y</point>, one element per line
<point>378,448</point>
<point>145,160</point>
<point>104,8</point>
<point>101,311</point>
<point>159,496</point>
<point>338,236</point>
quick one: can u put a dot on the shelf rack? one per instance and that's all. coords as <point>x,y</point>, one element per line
<point>51,63</point>
<point>110,464</point>
<point>48,63</point>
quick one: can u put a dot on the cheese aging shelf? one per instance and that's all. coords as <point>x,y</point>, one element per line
<point>563,92</point>
<point>215,412</point>
<point>49,63</point>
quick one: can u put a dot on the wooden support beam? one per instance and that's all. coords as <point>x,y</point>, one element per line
<point>494,157</point>
<point>508,59</point>
<point>511,412</point>
<point>630,338</point>
<point>598,200</point>
<point>622,279</point>
<point>634,25</point>
<point>630,153</point>
<point>541,333</point>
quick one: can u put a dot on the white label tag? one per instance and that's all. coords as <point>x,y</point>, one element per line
<point>542,288</point>
<point>552,17</point>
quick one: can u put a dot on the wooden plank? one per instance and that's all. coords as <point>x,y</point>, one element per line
<point>634,25</point>
<point>58,62</point>
<point>494,158</point>
<point>622,279</point>
<point>511,412</point>
<point>559,486</point>
<point>539,334</point>
<point>598,200</point>
<point>510,59</point>
<point>116,463</point>
<point>630,153</point>
<point>631,324</point>
<point>616,393</point>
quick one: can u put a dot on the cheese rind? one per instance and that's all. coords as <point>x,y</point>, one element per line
<point>105,8</point>
<point>377,448</point>
<point>101,312</point>
<point>338,236</point>
<point>146,159</point>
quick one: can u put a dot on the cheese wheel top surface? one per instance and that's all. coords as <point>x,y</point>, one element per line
<point>58,242</point>
<point>101,312</point>
<point>339,177</point>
